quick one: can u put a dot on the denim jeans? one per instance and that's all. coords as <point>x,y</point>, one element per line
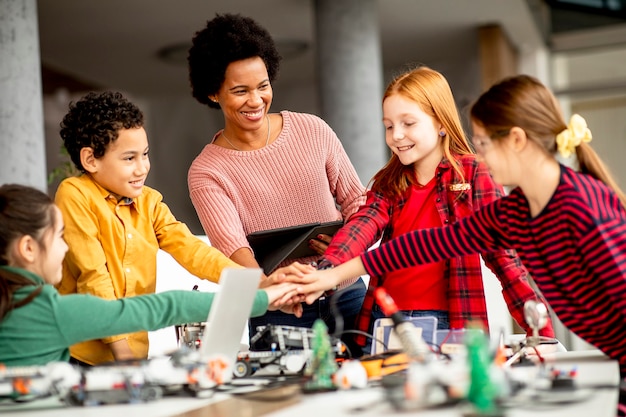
<point>348,305</point>
<point>443,321</point>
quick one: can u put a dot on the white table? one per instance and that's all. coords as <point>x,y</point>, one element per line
<point>594,369</point>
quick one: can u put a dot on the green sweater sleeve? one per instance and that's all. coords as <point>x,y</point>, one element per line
<point>82,317</point>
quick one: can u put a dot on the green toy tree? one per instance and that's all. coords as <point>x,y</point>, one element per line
<point>322,366</point>
<point>483,392</point>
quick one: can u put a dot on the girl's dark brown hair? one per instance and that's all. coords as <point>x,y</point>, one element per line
<point>24,211</point>
<point>523,101</point>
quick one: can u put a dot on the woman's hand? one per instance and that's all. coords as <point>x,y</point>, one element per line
<point>320,243</point>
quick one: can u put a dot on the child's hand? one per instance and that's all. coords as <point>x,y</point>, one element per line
<point>313,285</point>
<point>289,273</point>
<point>285,298</point>
<point>279,294</point>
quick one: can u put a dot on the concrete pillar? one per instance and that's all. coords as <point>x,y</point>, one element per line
<point>351,79</point>
<point>22,144</point>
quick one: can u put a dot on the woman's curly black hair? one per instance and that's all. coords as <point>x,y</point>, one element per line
<point>95,120</point>
<point>227,38</point>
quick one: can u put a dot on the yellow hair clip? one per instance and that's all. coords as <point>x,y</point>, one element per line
<point>576,133</point>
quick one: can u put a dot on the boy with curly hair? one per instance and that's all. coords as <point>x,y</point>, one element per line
<point>114,223</point>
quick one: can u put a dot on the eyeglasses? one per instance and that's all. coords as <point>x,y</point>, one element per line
<point>483,143</point>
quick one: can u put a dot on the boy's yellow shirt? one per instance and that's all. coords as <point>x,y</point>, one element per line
<point>113,249</point>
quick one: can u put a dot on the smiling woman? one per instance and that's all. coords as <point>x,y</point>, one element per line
<point>264,170</point>
<point>244,97</point>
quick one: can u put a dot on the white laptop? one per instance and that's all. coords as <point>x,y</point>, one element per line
<point>229,314</point>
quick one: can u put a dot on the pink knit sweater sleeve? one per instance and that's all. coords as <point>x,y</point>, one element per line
<point>301,177</point>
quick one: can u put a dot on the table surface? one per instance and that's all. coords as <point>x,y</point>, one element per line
<point>597,377</point>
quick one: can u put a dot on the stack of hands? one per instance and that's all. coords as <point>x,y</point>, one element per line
<point>288,287</point>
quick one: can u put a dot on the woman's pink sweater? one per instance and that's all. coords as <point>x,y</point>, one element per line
<point>304,176</point>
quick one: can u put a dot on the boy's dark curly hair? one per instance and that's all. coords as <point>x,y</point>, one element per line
<point>227,38</point>
<point>95,120</point>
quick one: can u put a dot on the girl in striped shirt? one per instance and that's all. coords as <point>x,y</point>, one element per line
<point>568,227</point>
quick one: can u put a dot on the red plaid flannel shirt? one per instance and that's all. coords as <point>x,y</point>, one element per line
<point>455,199</point>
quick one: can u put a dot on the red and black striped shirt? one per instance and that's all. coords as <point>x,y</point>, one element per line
<point>575,249</point>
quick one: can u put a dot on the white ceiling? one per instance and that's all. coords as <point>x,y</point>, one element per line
<point>114,43</point>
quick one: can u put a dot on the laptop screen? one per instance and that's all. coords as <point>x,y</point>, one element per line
<point>229,314</point>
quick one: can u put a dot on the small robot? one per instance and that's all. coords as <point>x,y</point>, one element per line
<point>288,347</point>
<point>27,383</point>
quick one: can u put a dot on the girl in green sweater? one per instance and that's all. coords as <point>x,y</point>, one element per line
<point>37,325</point>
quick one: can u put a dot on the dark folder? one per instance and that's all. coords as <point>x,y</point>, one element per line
<point>273,246</point>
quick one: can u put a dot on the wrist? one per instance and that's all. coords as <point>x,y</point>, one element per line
<point>329,292</point>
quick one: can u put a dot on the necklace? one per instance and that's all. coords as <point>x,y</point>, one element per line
<point>266,140</point>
